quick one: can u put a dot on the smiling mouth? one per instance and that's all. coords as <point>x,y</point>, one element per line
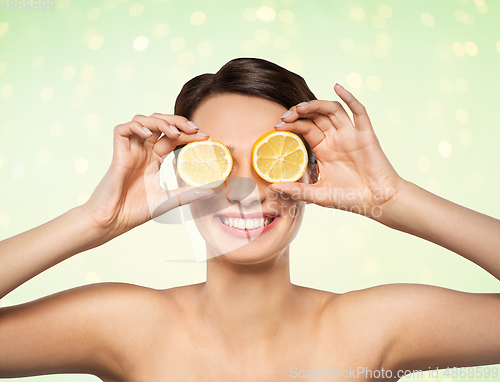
<point>246,224</point>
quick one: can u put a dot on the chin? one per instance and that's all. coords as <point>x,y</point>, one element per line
<point>251,253</point>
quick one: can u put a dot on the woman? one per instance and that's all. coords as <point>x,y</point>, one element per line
<point>248,322</point>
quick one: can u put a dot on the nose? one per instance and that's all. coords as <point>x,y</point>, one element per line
<point>245,186</point>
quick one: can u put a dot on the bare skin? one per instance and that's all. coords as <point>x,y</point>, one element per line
<point>248,322</point>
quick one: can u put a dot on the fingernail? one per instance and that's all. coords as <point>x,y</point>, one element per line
<point>147,130</point>
<point>286,114</point>
<point>202,133</point>
<point>340,85</point>
<point>174,129</point>
<point>192,124</point>
<point>280,124</point>
<point>301,104</point>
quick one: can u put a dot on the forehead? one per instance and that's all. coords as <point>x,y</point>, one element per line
<point>237,120</point>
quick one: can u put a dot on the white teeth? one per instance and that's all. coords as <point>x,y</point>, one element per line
<point>247,224</point>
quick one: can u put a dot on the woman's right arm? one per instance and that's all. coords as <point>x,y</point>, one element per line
<point>25,255</point>
<point>71,331</point>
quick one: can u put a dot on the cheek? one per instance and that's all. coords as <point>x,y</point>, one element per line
<point>290,209</point>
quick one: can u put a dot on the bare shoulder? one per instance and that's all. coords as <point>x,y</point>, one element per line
<point>89,329</point>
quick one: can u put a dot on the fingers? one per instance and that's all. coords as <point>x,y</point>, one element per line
<point>361,119</point>
<point>311,133</point>
<point>164,145</point>
<point>325,114</point>
<point>163,200</point>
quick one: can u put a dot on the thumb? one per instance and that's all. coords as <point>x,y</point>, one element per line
<point>298,191</point>
<point>167,200</point>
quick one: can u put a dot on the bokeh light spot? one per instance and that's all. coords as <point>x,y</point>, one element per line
<point>378,21</point>
<point>357,14</point>
<point>425,276</point>
<point>87,72</point>
<point>7,90</point>
<point>286,16</point>
<point>47,94</point>
<point>185,57</point>
<point>354,80</point>
<point>424,164</point>
<point>465,137</point>
<point>81,166</point>
<point>262,35</point>
<point>161,30</point>
<point>205,48</point>
<point>266,13</point>
<point>374,83</point>
<point>93,14</point>
<point>63,4</point>
<point>370,267</point>
<point>461,85</point>
<point>458,48</point>
<point>93,120</point>
<point>249,46</point>
<point>91,277</point>
<point>141,43</point>
<point>2,160</point>
<point>38,62</point>
<point>4,219</point>
<point>3,68</point>
<point>198,18</point>
<point>4,28</point>
<point>178,43</point>
<point>462,116</point>
<point>44,157</point>
<point>383,40</point>
<point>96,42</point>
<point>69,72</point>
<point>481,6</point>
<point>471,48</point>
<point>384,10</point>
<point>56,129</point>
<point>346,44</point>
<point>281,43</point>
<point>444,149</point>
<point>427,19</point>
<point>109,5</point>
<point>17,172</point>
<point>136,10</point>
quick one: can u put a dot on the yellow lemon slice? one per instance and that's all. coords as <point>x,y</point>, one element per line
<point>279,156</point>
<point>204,164</point>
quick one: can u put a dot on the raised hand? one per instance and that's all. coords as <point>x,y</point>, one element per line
<point>130,191</point>
<point>355,174</point>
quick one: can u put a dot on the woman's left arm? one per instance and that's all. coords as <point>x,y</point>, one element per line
<point>427,326</point>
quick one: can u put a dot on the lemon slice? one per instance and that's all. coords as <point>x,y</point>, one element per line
<point>279,156</point>
<point>204,164</point>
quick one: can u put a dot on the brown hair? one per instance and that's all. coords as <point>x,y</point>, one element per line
<point>248,76</point>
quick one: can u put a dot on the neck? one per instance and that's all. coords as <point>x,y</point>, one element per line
<point>249,303</point>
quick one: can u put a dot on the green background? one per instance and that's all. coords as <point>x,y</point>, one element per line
<point>427,72</point>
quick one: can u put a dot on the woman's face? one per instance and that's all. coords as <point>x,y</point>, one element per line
<point>245,200</point>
